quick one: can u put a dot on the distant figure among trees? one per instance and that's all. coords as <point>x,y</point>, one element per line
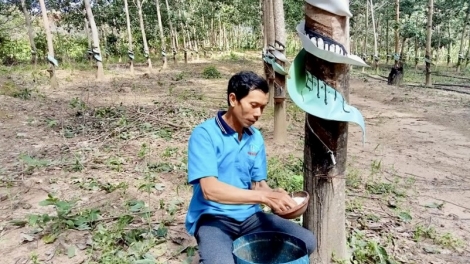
<point>396,74</point>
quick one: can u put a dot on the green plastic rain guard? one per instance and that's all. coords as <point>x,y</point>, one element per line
<point>317,98</point>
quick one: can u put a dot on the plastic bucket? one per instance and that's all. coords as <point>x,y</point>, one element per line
<point>269,248</point>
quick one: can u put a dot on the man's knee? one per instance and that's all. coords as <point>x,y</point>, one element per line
<point>215,245</point>
<point>276,223</point>
<point>310,241</point>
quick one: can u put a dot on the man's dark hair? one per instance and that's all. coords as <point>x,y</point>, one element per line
<point>243,82</point>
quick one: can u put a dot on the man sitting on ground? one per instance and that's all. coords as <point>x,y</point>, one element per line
<point>227,168</point>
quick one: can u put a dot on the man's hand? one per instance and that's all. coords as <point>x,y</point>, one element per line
<point>278,200</point>
<point>280,190</point>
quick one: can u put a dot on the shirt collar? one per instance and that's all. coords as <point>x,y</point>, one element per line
<point>225,128</point>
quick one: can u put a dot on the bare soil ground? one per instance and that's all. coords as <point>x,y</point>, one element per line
<point>109,159</point>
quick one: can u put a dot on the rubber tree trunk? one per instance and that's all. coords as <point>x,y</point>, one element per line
<point>96,40</point>
<point>185,47</point>
<point>196,43</point>
<point>129,34</point>
<point>50,44</point>
<point>263,40</point>
<point>325,214</point>
<point>280,125</point>
<point>270,36</point>
<point>27,18</point>
<point>220,38</point>
<point>449,45</point>
<point>402,50</point>
<point>265,20</point>
<point>172,32</point>
<point>467,54</point>
<point>144,37</point>
<point>462,39</point>
<point>162,36</point>
<point>416,52</point>
<point>438,29</point>
<point>376,52</point>
<point>366,31</point>
<point>89,41</point>
<point>397,35</point>
<point>387,49</point>
<point>428,56</point>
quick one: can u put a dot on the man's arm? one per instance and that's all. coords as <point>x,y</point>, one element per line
<point>217,191</point>
<point>202,167</point>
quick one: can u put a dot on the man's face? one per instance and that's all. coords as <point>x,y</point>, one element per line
<point>249,109</point>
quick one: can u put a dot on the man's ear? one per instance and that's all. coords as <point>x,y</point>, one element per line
<point>232,99</point>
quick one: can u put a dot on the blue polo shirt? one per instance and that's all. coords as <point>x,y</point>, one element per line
<point>214,150</point>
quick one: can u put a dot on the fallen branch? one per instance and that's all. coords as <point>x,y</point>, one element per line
<point>446,201</point>
<point>166,122</point>
<point>453,85</point>
<point>438,88</point>
<point>435,86</point>
<point>119,216</point>
<point>451,76</point>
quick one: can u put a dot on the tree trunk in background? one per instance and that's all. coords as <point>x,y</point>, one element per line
<point>262,29</point>
<point>162,37</point>
<point>27,18</point>
<point>226,43</point>
<point>221,37</point>
<point>144,37</point>
<point>185,47</point>
<point>87,32</point>
<point>396,73</point>
<point>376,52</point>
<point>175,32</point>
<point>325,214</point>
<point>102,30</point>
<point>397,35</point>
<point>366,31</point>
<point>96,40</point>
<point>462,38</point>
<point>196,43</point>
<point>428,44</point>
<point>264,20</point>
<point>378,30</point>
<point>387,50</point>
<point>270,39</point>
<point>172,33</point>
<point>50,44</point>
<point>280,125</point>
<point>449,45</point>
<point>467,54</point>
<point>402,50</point>
<point>438,28</point>
<point>129,34</point>
<point>416,46</point>
<point>416,53</point>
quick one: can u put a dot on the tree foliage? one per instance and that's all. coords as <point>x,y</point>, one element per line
<point>202,20</point>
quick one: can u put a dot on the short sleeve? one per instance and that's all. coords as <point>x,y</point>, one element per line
<point>259,170</point>
<point>202,158</point>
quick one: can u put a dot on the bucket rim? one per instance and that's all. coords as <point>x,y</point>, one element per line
<point>302,245</point>
<point>290,239</point>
